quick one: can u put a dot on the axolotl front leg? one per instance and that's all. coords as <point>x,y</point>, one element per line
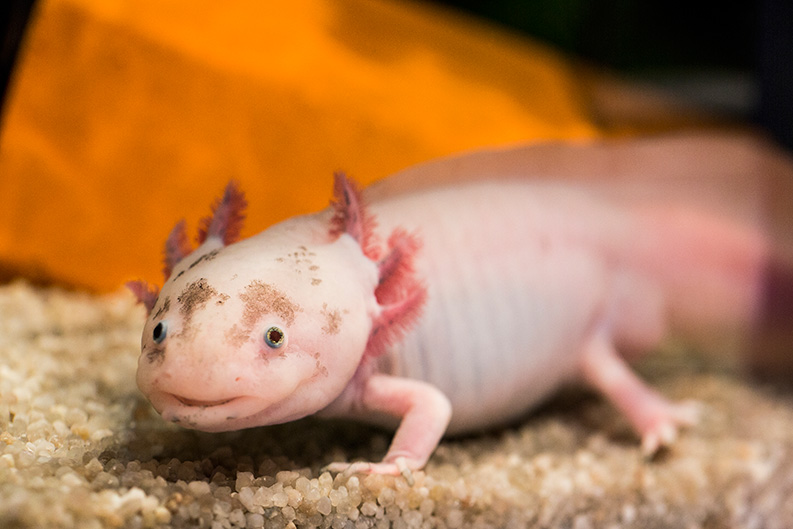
<point>424,413</point>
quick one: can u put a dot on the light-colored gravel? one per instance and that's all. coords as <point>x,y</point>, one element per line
<point>80,447</point>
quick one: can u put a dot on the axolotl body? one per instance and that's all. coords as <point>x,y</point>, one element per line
<point>448,309</point>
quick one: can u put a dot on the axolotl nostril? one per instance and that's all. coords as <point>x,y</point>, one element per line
<point>446,309</point>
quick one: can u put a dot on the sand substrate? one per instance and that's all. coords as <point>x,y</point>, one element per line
<point>80,447</point>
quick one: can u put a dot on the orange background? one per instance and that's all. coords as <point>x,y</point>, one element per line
<point>128,115</point>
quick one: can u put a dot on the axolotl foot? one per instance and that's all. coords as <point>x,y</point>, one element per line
<point>659,428</point>
<point>656,419</point>
<point>400,467</point>
<point>425,412</point>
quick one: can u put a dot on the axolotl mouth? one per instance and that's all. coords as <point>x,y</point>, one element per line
<point>203,403</point>
<point>207,415</point>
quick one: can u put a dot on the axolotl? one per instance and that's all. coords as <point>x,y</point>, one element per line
<point>447,308</point>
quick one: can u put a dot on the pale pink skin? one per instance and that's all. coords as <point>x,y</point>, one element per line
<point>210,379</point>
<point>530,285</point>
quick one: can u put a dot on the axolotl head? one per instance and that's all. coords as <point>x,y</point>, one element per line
<point>271,328</point>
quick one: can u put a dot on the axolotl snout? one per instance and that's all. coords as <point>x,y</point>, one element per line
<point>447,309</point>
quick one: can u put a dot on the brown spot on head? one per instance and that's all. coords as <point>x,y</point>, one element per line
<point>300,259</point>
<point>315,281</point>
<point>262,298</point>
<point>319,367</point>
<point>259,299</point>
<point>332,320</point>
<point>195,296</point>
<point>236,336</point>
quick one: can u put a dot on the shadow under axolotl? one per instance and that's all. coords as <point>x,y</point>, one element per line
<point>312,443</point>
<point>574,418</point>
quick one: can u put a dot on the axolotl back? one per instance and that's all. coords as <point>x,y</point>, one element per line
<point>448,309</point>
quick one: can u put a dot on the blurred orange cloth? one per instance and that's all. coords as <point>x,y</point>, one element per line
<point>126,115</point>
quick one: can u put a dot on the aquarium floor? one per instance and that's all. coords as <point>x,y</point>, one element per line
<point>80,447</point>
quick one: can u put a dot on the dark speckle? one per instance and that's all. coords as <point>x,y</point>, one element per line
<point>206,257</point>
<point>166,306</point>
<point>315,281</point>
<point>155,354</point>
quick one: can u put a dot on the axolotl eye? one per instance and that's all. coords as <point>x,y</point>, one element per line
<point>274,337</point>
<point>160,332</point>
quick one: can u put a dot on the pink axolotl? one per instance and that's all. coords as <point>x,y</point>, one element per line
<point>450,298</point>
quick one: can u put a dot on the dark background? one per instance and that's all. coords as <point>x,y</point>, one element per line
<point>635,34</point>
<point>735,57</point>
